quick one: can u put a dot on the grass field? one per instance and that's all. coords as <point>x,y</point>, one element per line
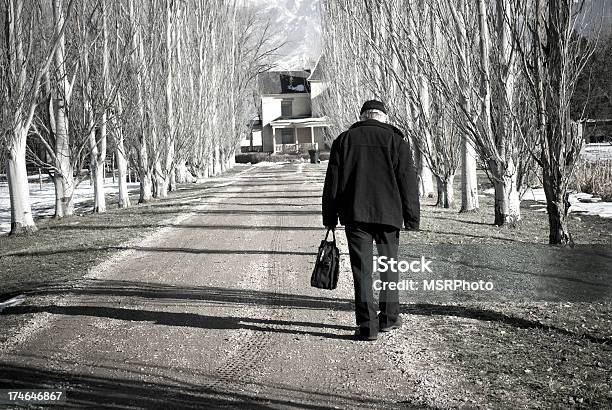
<point>523,351</point>
<point>62,250</point>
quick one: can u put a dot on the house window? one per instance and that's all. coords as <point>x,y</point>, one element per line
<point>286,108</point>
<point>287,136</point>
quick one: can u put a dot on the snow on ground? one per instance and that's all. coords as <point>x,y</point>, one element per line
<point>580,202</point>
<point>269,164</point>
<point>43,201</point>
<point>597,152</point>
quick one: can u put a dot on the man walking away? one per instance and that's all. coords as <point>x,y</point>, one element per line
<point>371,186</point>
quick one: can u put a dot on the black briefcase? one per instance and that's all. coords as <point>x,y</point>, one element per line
<point>327,267</point>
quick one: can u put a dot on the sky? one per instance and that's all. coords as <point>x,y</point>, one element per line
<point>298,24</point>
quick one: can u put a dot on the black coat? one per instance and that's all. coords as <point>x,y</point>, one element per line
<point>371,178</point>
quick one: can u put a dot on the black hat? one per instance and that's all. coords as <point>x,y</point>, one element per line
<point>373,105</point>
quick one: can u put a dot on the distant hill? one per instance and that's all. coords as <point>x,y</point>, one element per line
<point>298,23</point>
<point>597,17</point>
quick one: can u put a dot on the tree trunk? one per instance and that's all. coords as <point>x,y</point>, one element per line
<point>426,188</point>
<point>97,150</point>
<point>223,160</point>
<point>121,158</point>
<point>162,188</point>
<point>63,177</point>
<point>446,194</point>
<point>19,189</point>
<point>557,210</point>
<point>507,202</point>
<point>182,173</point>
<point>469,182</point>
<point>146,186</point>
<point>144,173</point>
<point>172,182</point>
<point>216,161</point>
<point>97,174</point>
<point>64,193</point>
<point>425,174</point>
<point>160,182</point>
<point>204,170</point>
<point>122,167</point>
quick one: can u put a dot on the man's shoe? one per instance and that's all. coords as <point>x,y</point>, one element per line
<point>364,337</point>
<point>396,325</point>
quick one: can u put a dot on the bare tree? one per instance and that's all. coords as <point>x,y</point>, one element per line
<point>121,154</point>
<point>461,39</point>
<point>24,68</point>
<point>482,89</point>
<point>63,166</point>
<point>97,140</point>
<point>552,59</point>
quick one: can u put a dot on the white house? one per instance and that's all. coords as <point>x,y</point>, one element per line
<point>285,108</point>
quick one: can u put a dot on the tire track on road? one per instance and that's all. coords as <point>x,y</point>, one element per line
<point>250,346</point>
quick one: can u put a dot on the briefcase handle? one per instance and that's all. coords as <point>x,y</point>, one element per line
<point>333,234</point>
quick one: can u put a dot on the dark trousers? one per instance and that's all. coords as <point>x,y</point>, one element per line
<point>360,243</point>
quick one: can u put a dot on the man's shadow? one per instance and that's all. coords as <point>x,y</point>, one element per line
<point>189,320</point>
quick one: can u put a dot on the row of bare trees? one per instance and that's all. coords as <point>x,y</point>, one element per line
<point>483,82</point>
<point>161,85</point>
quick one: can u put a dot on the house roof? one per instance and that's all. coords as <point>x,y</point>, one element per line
<point>317,72</point>
<point>283,82</point>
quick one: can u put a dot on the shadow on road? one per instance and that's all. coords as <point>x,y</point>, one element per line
<point>259,212</point>
<point>130,391</point>
<point>464,235</point>
<point>160,249</point>
<point>223,296</point>
<point>256,195</point>
<point>295,212</point>
<point>486,315</point>
<point>189,320</point>
<point>191,226</point>
<point>216,295</point>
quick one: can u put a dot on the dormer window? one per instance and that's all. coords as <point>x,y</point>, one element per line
<point>287,107</point>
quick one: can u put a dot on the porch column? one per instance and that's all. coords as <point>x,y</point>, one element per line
<point>312,135</point>
<point>273,139</point>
